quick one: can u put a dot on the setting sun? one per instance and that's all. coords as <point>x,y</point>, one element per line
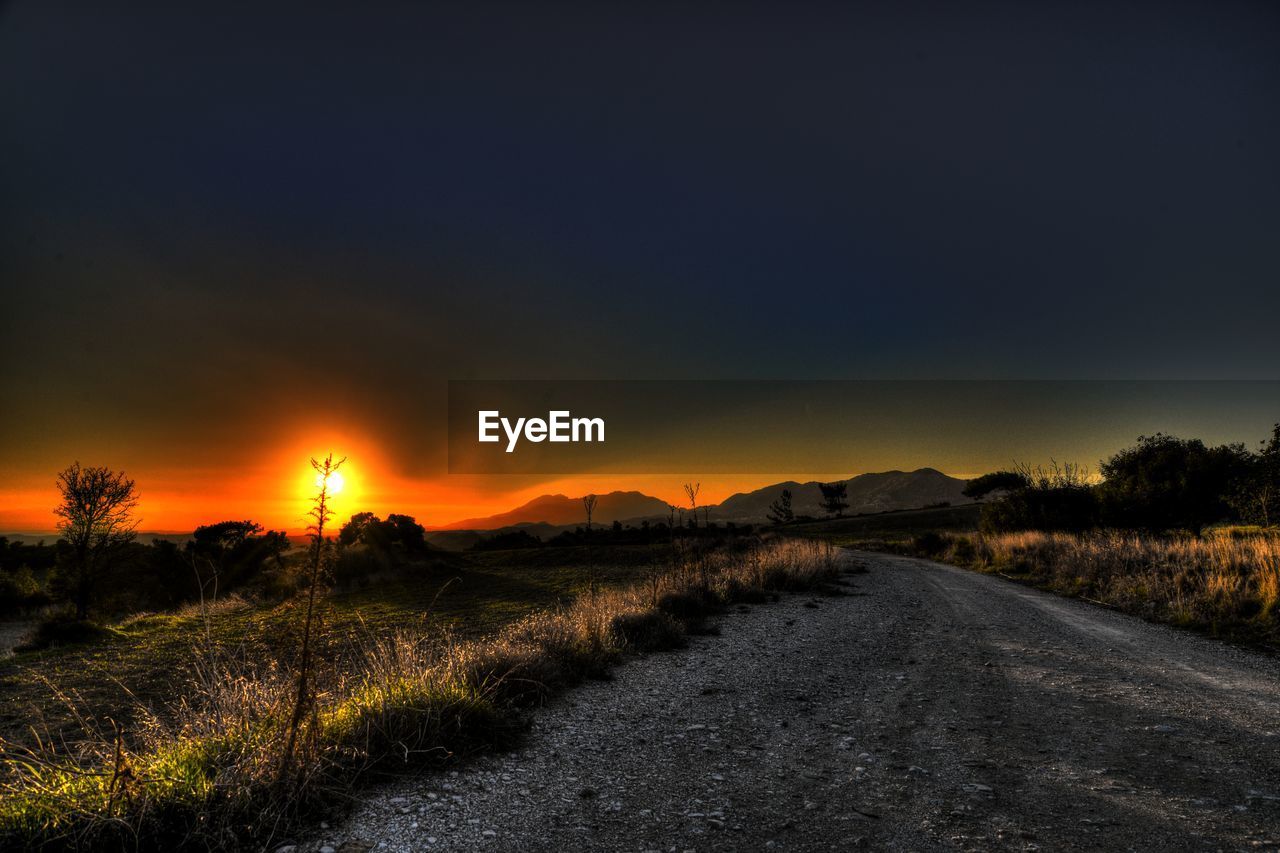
<point>335,482</point>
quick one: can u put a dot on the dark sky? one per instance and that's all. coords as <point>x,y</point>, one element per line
<point>217,220</point>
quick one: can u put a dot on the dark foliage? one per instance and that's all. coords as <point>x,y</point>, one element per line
<point>1256,497</point>
<point>649,631</point>
<point>511,540</point>
<point>997,481</point>
<point>397,533</point>
<point>62,630</point>
<point>835,497</point>
<point>1164,482</point>
<point>229,554</point>
<point>780,511</point>
<point>1057,508</point>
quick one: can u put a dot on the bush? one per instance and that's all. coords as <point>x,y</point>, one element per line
<point>1071,508</point>
<point>686,605</point>
<point>63,630</point>
<point>648,631</point>
<point>929,544</point>
<point>20,591</point>
<point>963,550</point>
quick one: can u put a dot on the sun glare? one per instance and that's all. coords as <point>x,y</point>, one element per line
<point>335,482</point>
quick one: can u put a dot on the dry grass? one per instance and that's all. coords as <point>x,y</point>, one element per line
<point>210,773</point>
<point>1226,584</point>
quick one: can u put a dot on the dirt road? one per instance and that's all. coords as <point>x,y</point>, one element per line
<point>930,709</point>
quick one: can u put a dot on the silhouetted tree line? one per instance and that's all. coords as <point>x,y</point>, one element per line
<point>644,533</point>
<point>1162,483</point>
<point>156,576</point>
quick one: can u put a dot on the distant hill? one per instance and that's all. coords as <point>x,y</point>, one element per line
<point>868,493</point>
<point>562,510</point>
<point>464,540</point>
<point>453,540</point>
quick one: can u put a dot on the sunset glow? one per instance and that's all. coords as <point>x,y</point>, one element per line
<point>335,482</point>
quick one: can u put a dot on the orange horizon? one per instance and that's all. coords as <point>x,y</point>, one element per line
<point>280,500</point>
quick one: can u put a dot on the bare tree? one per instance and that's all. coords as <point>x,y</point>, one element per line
<point>672,509</point>
<point>96,519</point>
<point>320,514</point>
<point>589,504</point>
<point>692,491</point>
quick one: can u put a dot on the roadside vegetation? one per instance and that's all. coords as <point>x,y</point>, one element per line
<point>1173,530</point>
<point>1225,583</point>
<point>214,768</point>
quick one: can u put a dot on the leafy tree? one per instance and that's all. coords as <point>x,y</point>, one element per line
<point>225,535</point>
<point>96,520</point>
<point>354,530</point>
<point>229,553</point>
<point>997,481</point>
<point>835,497</point>
<point>1053,497</point>
<point>780,511</point>
<point>1164,482</point>
<point>406,531</point>
<point>1257,496</point>
<point>401,531</point>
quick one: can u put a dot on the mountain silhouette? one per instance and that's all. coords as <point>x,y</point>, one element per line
<point>564,510</point>
<point>880,492</point>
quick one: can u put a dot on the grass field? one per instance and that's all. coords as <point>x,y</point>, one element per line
<point>148,656</point>
<point>210,760</point>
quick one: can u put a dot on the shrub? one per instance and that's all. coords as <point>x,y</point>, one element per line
<point>20,591</point>
<point>963,550</point>
<point>647,631</point>
<point>686,605</point>
<point>929,544</point>
<point>63,630</point>
<point>1067,508</point>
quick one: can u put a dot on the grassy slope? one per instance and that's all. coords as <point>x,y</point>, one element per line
<point>471,595</point>
<point>1223,585</point>
<point>871,530</point>
<point>219,774</point>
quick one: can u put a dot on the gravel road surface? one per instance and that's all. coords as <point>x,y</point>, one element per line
<point>929,708</point>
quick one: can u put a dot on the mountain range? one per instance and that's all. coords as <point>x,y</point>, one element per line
<point>867,493</point>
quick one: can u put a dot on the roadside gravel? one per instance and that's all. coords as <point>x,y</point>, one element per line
<point>928,708</point>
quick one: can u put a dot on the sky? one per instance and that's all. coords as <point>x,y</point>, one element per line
<point>231,238</point>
